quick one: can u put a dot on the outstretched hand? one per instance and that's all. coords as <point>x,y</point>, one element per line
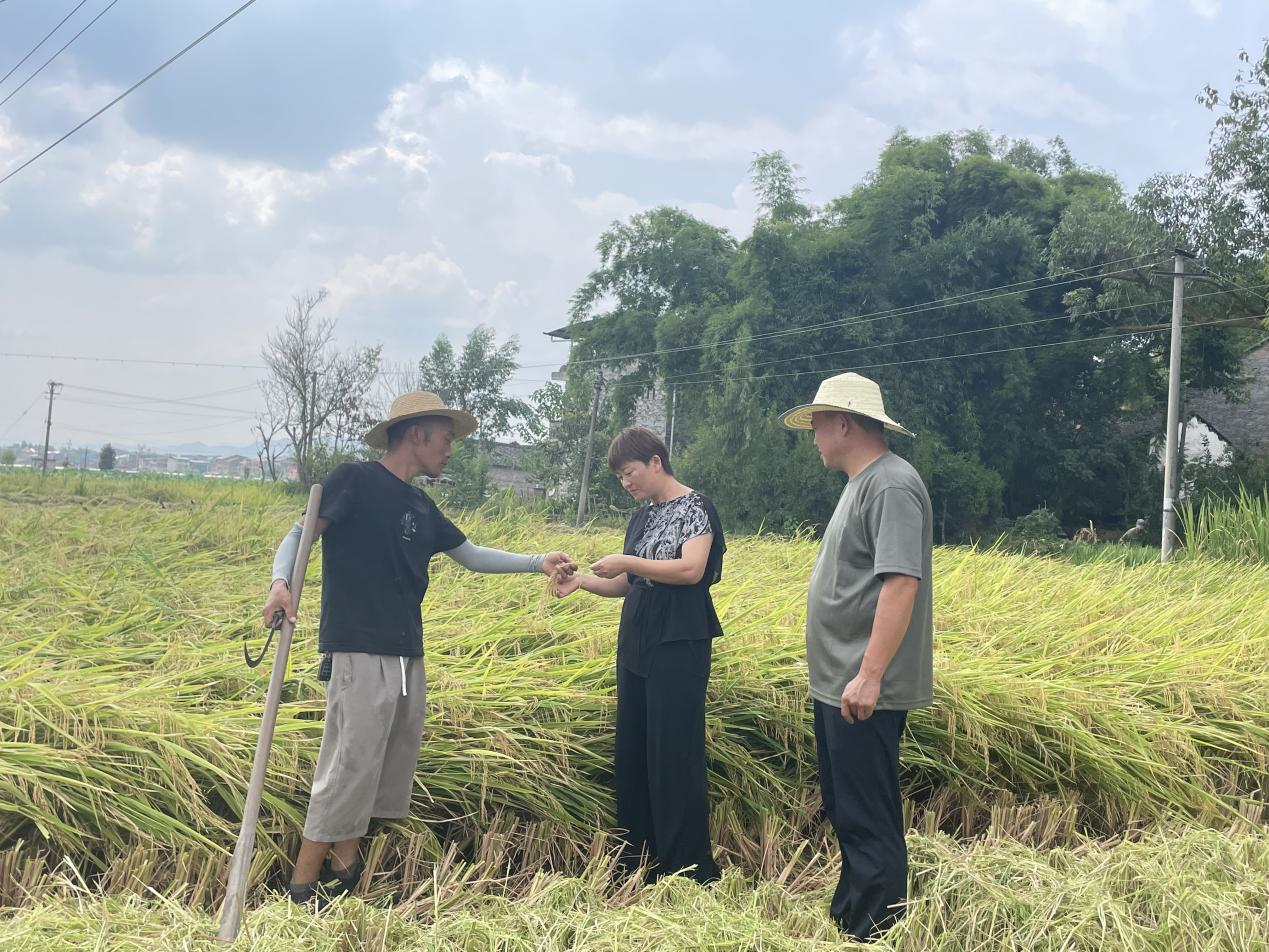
<point>564,585</point>
<point>558,564</point>
<point>610,566</point>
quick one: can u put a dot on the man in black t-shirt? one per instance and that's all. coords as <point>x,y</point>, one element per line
<point>379,534</point>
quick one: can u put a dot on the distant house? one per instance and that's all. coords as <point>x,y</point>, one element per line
<point>34,456</point>
<point>1216,423</point>
<point>651,407</point>
<point>232,465</point>
<point>506,471</point>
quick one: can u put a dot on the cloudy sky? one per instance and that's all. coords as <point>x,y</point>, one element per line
<point>437,165</point>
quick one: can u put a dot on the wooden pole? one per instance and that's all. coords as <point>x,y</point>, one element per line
<point>240,865</point>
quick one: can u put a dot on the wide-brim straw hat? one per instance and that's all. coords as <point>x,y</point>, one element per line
<point>848,393</point>
<point>419,403</point>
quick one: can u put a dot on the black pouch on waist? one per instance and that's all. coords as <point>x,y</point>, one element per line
<point>323,669</point>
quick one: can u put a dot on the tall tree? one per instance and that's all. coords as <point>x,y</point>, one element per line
<point>1224,212</point>
<point>779,187</point>
<point>475,380</point>
<point>1000,294</point>
<point>106,458</point>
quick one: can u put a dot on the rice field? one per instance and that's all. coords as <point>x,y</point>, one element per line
<point>1093,774</point>
<point>1234,529</point>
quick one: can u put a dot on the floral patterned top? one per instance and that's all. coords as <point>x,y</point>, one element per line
<point>657,612</point>
<point>670,524</point>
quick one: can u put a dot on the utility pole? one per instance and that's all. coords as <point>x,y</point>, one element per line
<point>674,405</point>
<point>1171,450</point>
<point>590,449</point>
<point>53,386</point>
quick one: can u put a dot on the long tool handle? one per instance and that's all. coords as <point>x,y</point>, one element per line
<point>240,865</point>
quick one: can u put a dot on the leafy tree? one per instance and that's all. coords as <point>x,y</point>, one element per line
<point>106,459</point>
<point>1224,212</point>
<point>1046,391</point>
<point>476,379</point>
<point>7,456</point>
<point>779,187</point>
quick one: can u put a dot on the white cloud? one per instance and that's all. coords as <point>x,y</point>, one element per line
<point>137,190</point>
<point>1102,23</point>
<point>546,164</point>
<point>426,272</point>
<point>255,189</point>
<point>951,64</point>
<point>545,114</point>
<point>462,206</point>
<point>1207,9</point>
<point>689,62</point>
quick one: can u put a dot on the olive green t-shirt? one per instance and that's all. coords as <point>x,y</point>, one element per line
<point>883,524</point>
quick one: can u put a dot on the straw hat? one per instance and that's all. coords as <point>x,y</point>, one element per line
<point>848,393</point>
<point>419,403</point>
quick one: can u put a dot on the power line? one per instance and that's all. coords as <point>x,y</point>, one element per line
<point>132,360</point>
<point>1236,284</point>
<point>31,52</point>
<point>58,53</point>
<point>132,436</point>
<point>38,398</point>
<point>126,92</point>
<point>196,363</point>
<point>685,378</point>
<point>144,409</point>
<point>1153,329</point>
<point>957,300</point>
<point>137,396</point>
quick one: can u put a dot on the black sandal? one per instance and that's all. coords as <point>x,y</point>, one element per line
<point>344,882</point>
<point>302,893</point>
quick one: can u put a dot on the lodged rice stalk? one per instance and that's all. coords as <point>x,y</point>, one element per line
<point>1092,698</point>
<point>1174,890</point>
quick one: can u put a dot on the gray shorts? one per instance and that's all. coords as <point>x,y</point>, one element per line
<point>370,744</point>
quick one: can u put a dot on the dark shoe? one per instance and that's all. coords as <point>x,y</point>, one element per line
<point>342,882</point>
<point>302,893</point>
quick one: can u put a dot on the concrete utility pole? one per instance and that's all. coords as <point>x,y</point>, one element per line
<point>53,387</point>
<point>1171,449</point>
<point>590,450</point>
<point>674,405</point>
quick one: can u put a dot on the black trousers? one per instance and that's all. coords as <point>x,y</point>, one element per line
<point>859,781</point>
<point>661,782</point>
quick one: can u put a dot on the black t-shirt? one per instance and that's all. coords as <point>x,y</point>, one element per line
<point>654,612</point>
<point>375,556</point>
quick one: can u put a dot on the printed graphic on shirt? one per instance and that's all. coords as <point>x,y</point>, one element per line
<point>408,526</point>
<point>670,524</point>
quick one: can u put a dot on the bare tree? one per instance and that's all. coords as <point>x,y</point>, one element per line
<point>319,393</point>
<point>269,424</point>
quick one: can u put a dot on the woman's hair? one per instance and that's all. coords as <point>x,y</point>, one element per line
<point>637,444</point>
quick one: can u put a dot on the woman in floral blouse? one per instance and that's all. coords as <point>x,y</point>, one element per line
<point>672,555</point>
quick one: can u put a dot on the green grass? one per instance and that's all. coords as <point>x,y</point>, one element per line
<point>1231,529</point>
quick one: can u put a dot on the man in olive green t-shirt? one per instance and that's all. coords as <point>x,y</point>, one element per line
<point>869,643</point>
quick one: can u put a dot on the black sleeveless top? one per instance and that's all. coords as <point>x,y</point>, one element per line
<point>655,613</point>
